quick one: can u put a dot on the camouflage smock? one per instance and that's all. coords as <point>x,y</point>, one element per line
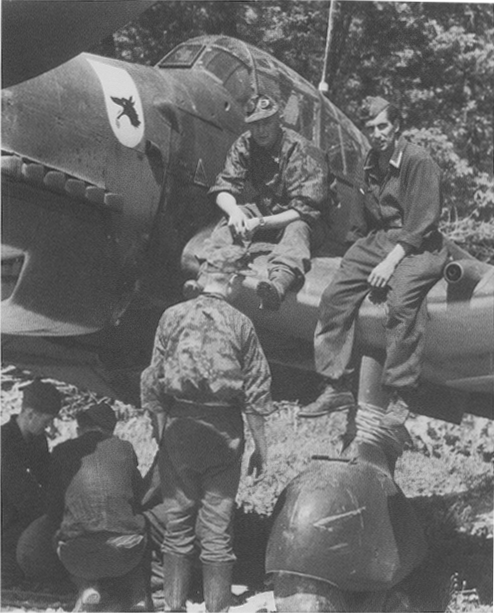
<point>207,351</point>
<point>293,174</point>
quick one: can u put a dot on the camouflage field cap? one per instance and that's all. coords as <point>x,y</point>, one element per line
<point>100,414</point>
<point>42,397</point>
<point>228,260</point>
<point>372,106</point>
<point>260,107</point>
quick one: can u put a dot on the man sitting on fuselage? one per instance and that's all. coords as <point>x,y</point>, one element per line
<point>290,176</point>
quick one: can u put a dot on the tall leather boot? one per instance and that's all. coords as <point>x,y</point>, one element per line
<point>273,291</point>
<point>217,581</point>
<point>177,577</point>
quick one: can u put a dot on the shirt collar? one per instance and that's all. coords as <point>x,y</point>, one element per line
<point>213,295</point>
<point>396,159</point>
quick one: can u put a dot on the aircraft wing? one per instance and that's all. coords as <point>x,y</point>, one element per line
<point>39,35</point>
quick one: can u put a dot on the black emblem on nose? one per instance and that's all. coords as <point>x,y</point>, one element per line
<point>128,109</point>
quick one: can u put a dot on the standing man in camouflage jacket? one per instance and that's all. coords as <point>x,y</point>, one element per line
<point>207,368</point>
<point>290,176</point>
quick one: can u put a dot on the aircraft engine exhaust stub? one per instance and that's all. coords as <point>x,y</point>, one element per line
<point>470,271</point>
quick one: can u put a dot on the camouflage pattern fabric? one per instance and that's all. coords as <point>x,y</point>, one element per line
<point>293,174</point>
<point>206,350</point>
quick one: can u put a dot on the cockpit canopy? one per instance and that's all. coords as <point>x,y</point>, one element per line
<point>244,70</point>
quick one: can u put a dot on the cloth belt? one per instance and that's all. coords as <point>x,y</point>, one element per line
<point>196,409</point>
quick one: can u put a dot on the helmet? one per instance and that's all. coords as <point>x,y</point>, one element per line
<point>346,523</point>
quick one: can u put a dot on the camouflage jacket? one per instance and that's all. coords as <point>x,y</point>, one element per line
<point>205,350</point>
<point>293,174</point>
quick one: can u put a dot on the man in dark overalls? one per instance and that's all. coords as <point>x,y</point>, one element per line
<point>25,471</point>
<point>206,370</point>
<point>290,177</point>
<point>402,254</point>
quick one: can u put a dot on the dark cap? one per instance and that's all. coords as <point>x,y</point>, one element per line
<point>372,106</point>
<point>227,260</point>
<point>99,414</point>
<point>260,107</point>
<point>42,397</point>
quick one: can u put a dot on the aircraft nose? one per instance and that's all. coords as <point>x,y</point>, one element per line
<point>61,271</point>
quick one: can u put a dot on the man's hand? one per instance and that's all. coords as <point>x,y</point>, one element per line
<point>381,274</point>
<point>257,464</point>
<point>252,225</point>
<point>237,222</point>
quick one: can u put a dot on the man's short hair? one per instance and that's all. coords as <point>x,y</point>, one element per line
<point>100,415</point>
<point>42,398</point>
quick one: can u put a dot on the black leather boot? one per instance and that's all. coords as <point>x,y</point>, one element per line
<point>177,577</point>
<point>334,397</point>
<point>217,581</point>
<point>273,291</point>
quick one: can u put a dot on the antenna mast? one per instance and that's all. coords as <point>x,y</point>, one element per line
<point>323,86</point>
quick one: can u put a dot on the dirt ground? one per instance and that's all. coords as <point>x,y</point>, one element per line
<point>447,475</point>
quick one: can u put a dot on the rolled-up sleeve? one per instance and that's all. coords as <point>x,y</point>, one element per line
<point>257,376</point>
<point>234,174</point>
<point>306,182</point>
<point>152,396</point>
<point>421,200</point>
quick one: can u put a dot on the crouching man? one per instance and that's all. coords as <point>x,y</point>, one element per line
<point>25,473</point>
<point>206,370</point>
<point>93,497</point>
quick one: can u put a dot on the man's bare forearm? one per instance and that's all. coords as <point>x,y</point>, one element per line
<point>256,426</point>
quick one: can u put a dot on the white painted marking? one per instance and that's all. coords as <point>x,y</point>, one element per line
<point>123,103</point>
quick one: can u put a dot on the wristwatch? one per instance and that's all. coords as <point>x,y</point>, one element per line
<point>262,222</point>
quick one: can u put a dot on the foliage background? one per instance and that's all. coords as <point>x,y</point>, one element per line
<point>435,59</point>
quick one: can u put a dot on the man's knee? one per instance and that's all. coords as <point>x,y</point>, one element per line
<point>35,553</point>
<point>297,229</point>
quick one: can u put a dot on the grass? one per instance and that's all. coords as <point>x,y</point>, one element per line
<point>447,475</point>
<point>476,237</point>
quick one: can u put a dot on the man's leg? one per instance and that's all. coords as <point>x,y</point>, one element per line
<point>287,264</point>
<point>220,237</point>
<point>334,334</point>
<point>36,555</point>
<point>181,495</point>
<point>407,318</point>
<point>11,571</point>
<point>214,529</point>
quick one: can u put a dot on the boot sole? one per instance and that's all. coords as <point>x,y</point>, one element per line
<point>89,599</point>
